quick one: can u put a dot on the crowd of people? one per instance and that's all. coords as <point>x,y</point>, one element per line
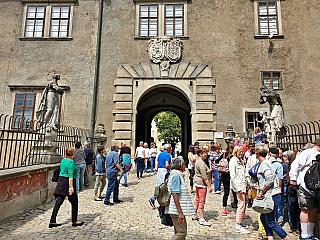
<point>247,172</point>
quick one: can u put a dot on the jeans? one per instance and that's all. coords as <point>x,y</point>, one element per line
<point>140,166</point>
<point>216,180</point>
<point>269,219</point>
<point>146,165</point>
<point>73,199</point>
<point>153,162</point>
<point>283,203</point>
<point>113,186</point>
<point>124,176</point>
<point>225,179</point>
<point>80,175</point>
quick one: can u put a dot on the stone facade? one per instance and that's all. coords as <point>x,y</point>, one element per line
<point>221,57</point>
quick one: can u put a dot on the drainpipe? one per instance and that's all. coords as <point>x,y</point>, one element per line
<point>96,74</point>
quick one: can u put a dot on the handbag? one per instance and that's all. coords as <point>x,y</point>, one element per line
<point>265,204</point>
<point>223,165</point>
<point>253,172</point>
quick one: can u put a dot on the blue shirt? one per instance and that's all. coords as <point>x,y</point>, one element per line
<point>111,160</point>
<point>163,158</point>
<point>277,168</point>
<point>176,184</point>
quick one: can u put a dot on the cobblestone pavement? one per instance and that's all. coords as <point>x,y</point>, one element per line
<point>133,219</point>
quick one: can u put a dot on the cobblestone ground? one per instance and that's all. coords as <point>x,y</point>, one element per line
<point>133,219</point>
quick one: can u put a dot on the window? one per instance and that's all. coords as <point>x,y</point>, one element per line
<point>35,21</point>
<point>272,80</point>
<point>59,21</point>
<point>47,22</point>
<point>23,110</point>
<point>252,119</point>
<point>161,20</point>
<point>174,20</point>
<point>148,20</point>
<point>268,20</point>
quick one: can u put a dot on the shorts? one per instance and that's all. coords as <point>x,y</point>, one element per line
<point>306,200</point>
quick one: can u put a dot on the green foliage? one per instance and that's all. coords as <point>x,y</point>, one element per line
<point>169,127</point>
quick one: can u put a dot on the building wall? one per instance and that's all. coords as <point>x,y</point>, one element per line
<point>221,35</point>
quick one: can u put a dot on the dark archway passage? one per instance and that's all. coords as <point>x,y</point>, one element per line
<point>159,100</point>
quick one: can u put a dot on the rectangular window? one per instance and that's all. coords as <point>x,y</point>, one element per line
<point>174,20</point>
<point>272,80</point>
<point>60,21</point>
<point>148,20</point>
<point>35,21</point>
<point>23,110</point>
<point>252,119</point>
<point>268,19</point>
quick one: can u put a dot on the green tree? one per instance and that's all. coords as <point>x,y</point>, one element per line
<point>169,127</point>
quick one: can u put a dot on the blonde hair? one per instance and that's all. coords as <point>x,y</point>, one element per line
<point>70,152</point>
<point>236,149</point>
<point>257,130</point>
<point>124,144</point>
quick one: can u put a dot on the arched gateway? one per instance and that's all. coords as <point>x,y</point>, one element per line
<point>143,90</point>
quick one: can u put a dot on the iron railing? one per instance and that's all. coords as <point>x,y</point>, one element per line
<point>296,136</point>
<point>20,142</point>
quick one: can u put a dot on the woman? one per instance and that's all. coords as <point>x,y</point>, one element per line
<point>180,200</point>
<point>140,159</point>
<point>153,155</point>
<point>125,154</point>
<point>269,182</point>
<point>65,187</point>
<point>80,162</point>
<point>258,136</point>
<point>225,179</point>
<point>100,169</point>
<point>147,156</point>
<point>201,182</point>
<point>213,158</point>
<point>192,159</point>
<point>238,175</point>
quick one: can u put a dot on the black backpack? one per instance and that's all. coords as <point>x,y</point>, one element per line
<point>55,175</point>
<point>312,177</point>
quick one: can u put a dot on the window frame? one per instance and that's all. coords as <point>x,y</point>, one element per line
<point>271,78</point>
<point>44,20</point>
<point>144,5</point>
<point>174,17</point>
<point>268,16</point>
<point>69,13</point>
<point>23,110</point>
<point>256,124</point>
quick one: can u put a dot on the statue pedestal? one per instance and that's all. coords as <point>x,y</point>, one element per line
<point>48,152</point>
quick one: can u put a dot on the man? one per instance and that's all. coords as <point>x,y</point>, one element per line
<point>90,156</point>
<point>274,154</point>
<point>164,162</point>
<point>211,147</point>
<point>245,146</point>
<point>147,155</point>
<point>307,200</point>
<point>113,167</point>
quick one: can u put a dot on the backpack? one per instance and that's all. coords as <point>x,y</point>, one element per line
<point>223,165</point>
<point>55,175</point>
<point>162,194</point>
<point>312,177</point>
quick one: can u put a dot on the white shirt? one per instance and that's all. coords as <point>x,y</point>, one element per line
<point>147,152</point>
<point>140,151</point>
<point>300,166</point>
<point>153,152</point>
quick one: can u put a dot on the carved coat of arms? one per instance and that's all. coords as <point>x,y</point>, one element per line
<point>165,50</point>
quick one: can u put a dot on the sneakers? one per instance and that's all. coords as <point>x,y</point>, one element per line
<point>217,192</point>
<point>203,222</point>
<point>195,217</point>
<point>240,229</point>
<point>246,216</point>
<point>225,213</point>
<point>107,204</point>
<point>118,201</point>
<point>125,184</point>
<point>151,201</point>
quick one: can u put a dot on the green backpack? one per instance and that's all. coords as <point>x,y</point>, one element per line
<point>162,194</point>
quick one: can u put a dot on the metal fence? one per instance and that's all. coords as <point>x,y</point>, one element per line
<point>21,142</point>
<point>298,135</point>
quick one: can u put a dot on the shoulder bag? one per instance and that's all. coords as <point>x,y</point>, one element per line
<point>264,205</point>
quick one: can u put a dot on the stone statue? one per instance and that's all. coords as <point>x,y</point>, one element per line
<point>48,108</point>
<point>266,123</point>
<point>276,119</point>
